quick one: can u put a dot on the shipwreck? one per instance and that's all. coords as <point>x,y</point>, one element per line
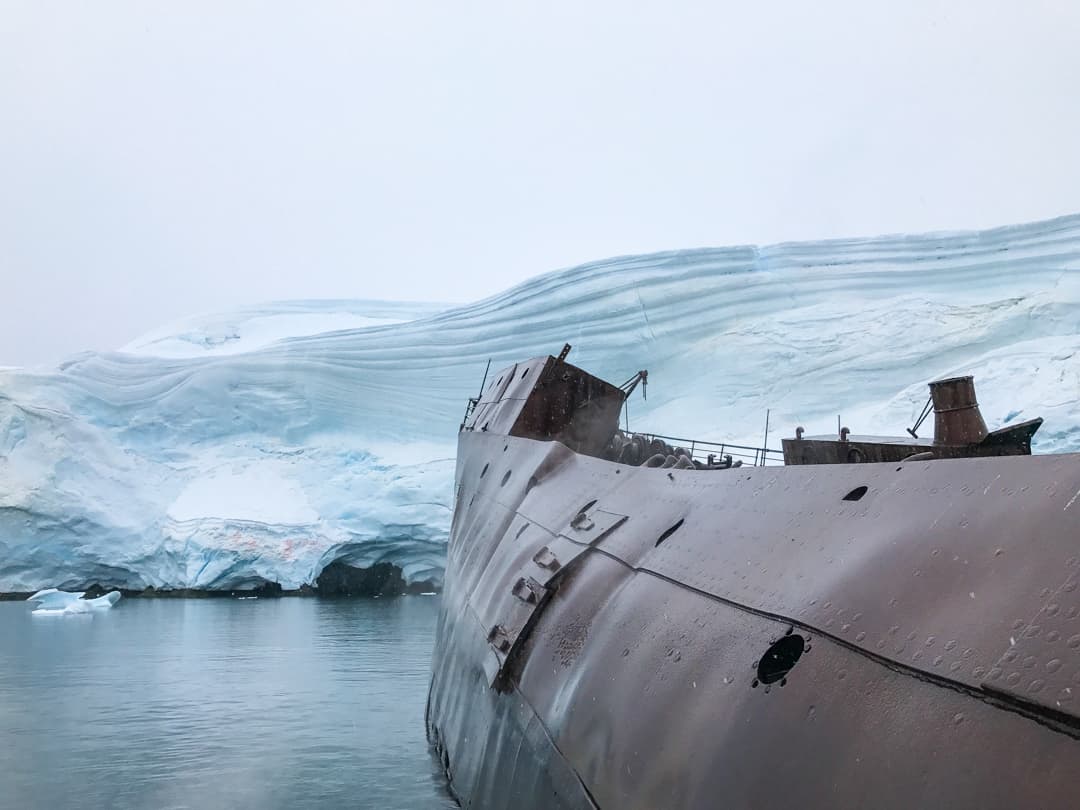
<point>632,621</point>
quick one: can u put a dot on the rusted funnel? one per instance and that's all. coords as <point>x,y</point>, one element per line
<point>956,412</point>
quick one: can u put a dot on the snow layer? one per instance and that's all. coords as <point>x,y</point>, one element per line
<point>263,444</point>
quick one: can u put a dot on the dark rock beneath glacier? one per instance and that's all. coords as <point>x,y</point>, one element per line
<point>267,589</point>
<point>337,579</point>
<point>341,579</point>
<point>421,586</point>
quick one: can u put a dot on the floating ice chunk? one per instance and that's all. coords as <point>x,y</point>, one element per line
<point>78,608</point>
<point>54,602</point>
<point>106,601</point>
<point>54,599</point>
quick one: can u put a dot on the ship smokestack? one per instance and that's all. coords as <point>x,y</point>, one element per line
<point>957,419</point>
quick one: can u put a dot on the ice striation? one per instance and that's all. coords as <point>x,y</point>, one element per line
<point>261,445</point>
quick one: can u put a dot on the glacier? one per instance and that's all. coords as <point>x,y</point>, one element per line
<point>260,445</point>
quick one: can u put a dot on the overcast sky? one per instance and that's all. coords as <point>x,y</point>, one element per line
<point>163,159</point>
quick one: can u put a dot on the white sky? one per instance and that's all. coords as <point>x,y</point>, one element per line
<point>162,159</point>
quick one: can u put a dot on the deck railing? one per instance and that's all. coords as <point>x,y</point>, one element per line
<point>701,450</point>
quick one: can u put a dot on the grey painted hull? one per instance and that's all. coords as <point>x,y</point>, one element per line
<point>605,633</point>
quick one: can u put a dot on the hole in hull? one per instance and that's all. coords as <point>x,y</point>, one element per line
<point>669,532</point>
<point>856,493</point>
<point>780,658</point>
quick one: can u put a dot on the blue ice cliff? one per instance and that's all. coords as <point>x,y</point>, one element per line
<point>261,445</point>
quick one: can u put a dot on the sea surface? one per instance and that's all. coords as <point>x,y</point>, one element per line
<point>219,703</point>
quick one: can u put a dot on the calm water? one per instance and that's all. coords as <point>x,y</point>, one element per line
<point>290,703</point>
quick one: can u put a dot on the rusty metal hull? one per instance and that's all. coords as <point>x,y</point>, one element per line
<point>606,630</point>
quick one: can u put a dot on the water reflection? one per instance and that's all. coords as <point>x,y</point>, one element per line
<point>297,703</point>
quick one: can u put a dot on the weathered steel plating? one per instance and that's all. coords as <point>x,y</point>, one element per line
<point>957,419</point>
<point>613,636</point>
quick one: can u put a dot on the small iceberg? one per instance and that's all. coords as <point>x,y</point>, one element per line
<point>54,602</point>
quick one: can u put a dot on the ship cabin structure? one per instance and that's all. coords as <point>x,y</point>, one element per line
<point>548,399</point>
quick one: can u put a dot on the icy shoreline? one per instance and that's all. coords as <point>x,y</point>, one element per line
<point>261,446</point>
<point>384,579</point>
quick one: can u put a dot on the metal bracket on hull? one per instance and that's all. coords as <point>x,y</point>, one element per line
<point>528,590</point>
<point>585,530</point>
<point>536,580</point>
